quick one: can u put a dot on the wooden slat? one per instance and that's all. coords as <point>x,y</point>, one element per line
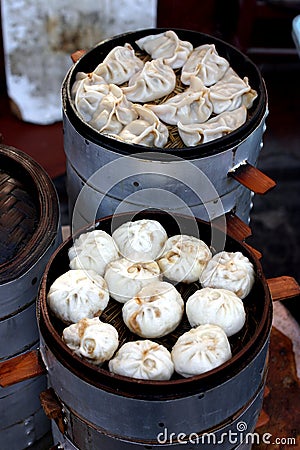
<point>263,419</point>
<point>283,287</point>
<point>50,404</point>
<point>77,55</point>
<point>52,408</point>
<point>266,391</point>
<point>21,368</point>
<point>236,227</point>
<point>252,178</point>
<point>253,250</point>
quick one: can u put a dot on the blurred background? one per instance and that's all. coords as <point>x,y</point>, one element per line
<point>37,39</point>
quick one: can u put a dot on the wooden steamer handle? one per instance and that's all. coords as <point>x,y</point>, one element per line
<point>53,408</point>
<point>20,368</point>
<point>282,288</point>
<point>252,178</point>
<point>238,229</point>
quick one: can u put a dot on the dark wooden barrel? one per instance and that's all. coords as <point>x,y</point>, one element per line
<point>29,233</point>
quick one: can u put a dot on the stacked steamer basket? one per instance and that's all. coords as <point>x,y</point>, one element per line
<point>208,179</point>
<point>29,233</point>
<point>142,413</point>
<point>94,409</point>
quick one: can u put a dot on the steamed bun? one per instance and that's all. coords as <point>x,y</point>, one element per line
<point>216,306</point>
<point>229,270</point>
<point>144,359</point>
<point>93,250</point>
<point>199,350</point>
<point>125,278</point>
<point>94,340</point>
<point>140,240</point>
<point>77,294</point>
<point>184,258</point>
<point>155,311</point>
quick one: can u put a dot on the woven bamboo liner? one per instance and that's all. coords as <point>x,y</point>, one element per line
<point>19,216</point>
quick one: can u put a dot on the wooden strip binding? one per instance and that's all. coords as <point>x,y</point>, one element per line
<point>236,227</point>
<point>21,368</point>
<point>263,419</point>
<point>283,287</point>
<point>253,250</point>
<point>252,178</point>
<point>77,55</point>
<point>266,391</point>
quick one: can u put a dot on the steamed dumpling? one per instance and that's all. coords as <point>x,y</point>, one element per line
<point>216,127</point>
<point>191,106</point>
<point>218,307</point>
<point>94,340</point>
<point>105,109</point>
<point>84,83</point>
<point>154,81</point>
<point>155,311</point>
<point>146,130</point>
<point>167,46</point>
<point>184,258</point>
<point>199,350</point>
<point>120,65</point>
<point>231,92</point>
<point>204,62</point>
<point>93,250</point>
<point>140,240</point>
<point>229,270</point>
<point>144,360</point>
<point>125,278</point>
<point>77,294</point>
